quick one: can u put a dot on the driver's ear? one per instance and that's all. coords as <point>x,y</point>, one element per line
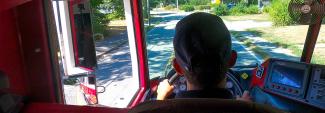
<point>179,70</point>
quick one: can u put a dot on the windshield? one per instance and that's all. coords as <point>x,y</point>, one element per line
<point>259,30</point>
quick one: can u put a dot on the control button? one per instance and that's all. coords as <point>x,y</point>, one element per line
<point>283,88</point>
<point>272,85</point>
<point>182,87</point>
<point>278,87</point>
<point>290,90</point>
<point>296,91</point>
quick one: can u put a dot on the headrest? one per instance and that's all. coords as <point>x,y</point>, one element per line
<point>202,105</point>
<point>4,81</point>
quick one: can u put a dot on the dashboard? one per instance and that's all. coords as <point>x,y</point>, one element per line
<point>290,85</point>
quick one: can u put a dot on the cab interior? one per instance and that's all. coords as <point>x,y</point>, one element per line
<point>31,73</point>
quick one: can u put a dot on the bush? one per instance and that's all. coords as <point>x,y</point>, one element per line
<point>99,22</point>
<point>279,13</point>
<point>199,2</point>
<point>266,9</point>
<point>202,7</point>
<point>242,8</point>
<point>239,9</point>
<point>187,8</point>
<point>169,7</point>
<point>220,10</point>
<point>252,9</point>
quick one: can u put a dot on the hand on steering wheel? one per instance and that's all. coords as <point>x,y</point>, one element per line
<point>164,89</point>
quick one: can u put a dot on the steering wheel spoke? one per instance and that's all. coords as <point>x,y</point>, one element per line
<point>233,85</point>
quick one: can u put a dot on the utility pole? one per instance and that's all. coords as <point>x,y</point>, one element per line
<point>148,11</point>
<point>177,4</point>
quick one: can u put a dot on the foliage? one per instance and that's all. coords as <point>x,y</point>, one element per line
<point>266,9</point>
<point>153,3</point>
<point>99,20</point>
<point>169,7</point>
<point>187,8</point>
<point>202,7</point>
<point>220,10</point>
<point>114,7</point>
<point>238,9</point>
<point>96,3</point>
<point>242,8</point>
<point>279,13</point>
<point>198,2</point>
<point>252,9</point>
<point>100,23</point>
<point>251,2</point>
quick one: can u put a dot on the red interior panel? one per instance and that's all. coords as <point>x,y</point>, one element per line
<point>60,108</point>
<point>25,54</point>
<point>35,45</point>
<point>11,54</point>
<point>8,4</point>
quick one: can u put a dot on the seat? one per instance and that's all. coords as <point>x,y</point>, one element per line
<point>203,105</point>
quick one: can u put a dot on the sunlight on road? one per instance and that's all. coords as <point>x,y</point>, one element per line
<point>244,25</point>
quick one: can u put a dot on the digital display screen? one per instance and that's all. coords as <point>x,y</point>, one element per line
<point>288,76</point>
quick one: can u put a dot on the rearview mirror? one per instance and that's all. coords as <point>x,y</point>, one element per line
<point>80,16</point>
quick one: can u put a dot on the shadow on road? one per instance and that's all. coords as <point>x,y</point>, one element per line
<point>116,66</point>
<point>265,48</point>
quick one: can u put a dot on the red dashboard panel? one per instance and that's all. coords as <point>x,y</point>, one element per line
<point>60,108</point>
<point>258,79</point>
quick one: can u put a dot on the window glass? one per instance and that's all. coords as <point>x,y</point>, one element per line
<point>259,30</point>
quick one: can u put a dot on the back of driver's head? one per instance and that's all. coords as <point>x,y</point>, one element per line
<point>202,45</point>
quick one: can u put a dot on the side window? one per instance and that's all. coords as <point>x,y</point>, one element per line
<point>98,55</point>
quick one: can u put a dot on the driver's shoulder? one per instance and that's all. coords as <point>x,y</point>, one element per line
<point>221,93</point>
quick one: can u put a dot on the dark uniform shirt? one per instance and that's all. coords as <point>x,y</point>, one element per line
<point>212,93</point>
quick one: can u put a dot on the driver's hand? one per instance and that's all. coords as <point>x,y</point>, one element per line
<point>164,90</point>
<point>245,97</point>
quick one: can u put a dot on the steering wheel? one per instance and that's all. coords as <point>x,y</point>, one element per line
<point>179,82</point>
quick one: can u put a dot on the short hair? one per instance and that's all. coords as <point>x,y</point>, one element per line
<point>202,46</point>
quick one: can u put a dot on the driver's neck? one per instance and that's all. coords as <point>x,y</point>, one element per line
<point>191,87</point>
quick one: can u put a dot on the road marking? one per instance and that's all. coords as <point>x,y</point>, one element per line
<point>260,60</point>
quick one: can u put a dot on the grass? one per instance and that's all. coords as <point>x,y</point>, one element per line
<point>288,37</point>
<point>292,38</point>
<point>250,44</point>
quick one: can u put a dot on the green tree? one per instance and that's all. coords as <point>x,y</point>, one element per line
<point>199,2</point>
<point>99,20</point>
<point>279,13</point>
<point>115,8</point>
